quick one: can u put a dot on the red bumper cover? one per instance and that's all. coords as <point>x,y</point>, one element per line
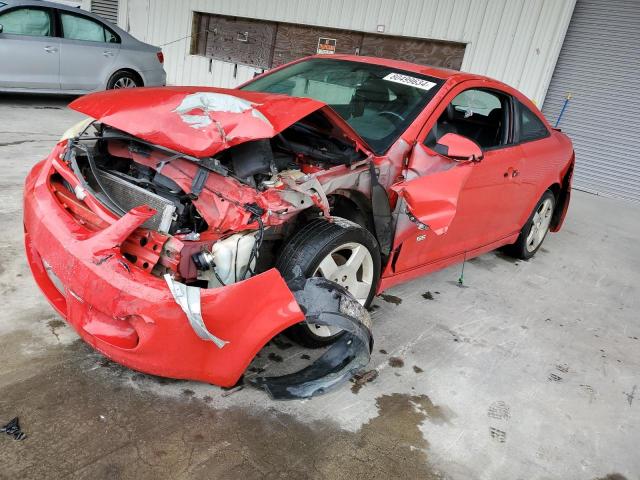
<point>130,315</point>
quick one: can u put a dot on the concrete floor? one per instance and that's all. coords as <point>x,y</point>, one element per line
<point>530,372</point>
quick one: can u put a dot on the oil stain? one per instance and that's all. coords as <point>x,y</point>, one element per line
<point>54,325</point>
<point>612,476</point>
<point>391,298</point>
<point>427,296</point>
<point>383,351</point>
<point>396,362</point>
<point>417,369</point>
<point>359,380</point>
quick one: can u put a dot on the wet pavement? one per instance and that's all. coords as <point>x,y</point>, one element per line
<point>530,372</point>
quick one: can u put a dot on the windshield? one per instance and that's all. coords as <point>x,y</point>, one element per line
<point>378,102</point>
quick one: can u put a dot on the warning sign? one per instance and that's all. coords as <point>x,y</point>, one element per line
<point>326,46</point>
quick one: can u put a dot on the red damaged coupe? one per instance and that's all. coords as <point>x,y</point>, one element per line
<point>179,229</point>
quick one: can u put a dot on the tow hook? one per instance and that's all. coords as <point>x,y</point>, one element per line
<point>325,303</point>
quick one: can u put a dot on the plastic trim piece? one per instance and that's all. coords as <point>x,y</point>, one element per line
<point>189,300</point>
<point>325,303</point>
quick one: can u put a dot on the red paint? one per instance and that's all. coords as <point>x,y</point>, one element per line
<point>151,114</point>
<point>460,148</point>
<point>117,298</point>
<point>127,313</point>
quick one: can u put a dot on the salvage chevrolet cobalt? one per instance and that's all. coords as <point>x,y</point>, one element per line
<point>179,229</point>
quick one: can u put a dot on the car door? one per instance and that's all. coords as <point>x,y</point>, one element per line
<point>88,51</point>
<point>29,51</point>
<point>466,205</point>
<point>541,157</point>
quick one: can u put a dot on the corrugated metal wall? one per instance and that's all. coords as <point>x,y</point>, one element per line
<point>599,64</point>
<point>516,41</point>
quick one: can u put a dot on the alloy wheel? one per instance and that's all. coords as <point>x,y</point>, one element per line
<point>124,82</point>
<point>539,225</point>
<point>351,266</point>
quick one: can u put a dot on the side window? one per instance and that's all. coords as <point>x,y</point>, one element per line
<point>531,127</point>
<point>75,27</point>
<point>480,115</point>
<point>35,22</point>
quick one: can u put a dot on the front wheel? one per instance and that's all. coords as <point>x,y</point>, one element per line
<point>340,251</point>
<point>535,230</point>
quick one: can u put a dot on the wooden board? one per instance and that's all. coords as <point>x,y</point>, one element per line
<point>415,50</point>
<point>296,41</point>
<point>265,44</point>
<point>243,41</point>
<point>199,34</point>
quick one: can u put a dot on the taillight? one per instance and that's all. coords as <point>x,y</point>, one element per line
<point>160,57</point>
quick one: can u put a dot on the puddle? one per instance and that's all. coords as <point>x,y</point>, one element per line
<point>120,432</point>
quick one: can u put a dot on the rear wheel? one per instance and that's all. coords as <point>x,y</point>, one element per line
<point>123,80</point>
<point>535,230</point>
<point>340,251</point>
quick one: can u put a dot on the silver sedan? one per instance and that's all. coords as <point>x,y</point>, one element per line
<point>48,47</point>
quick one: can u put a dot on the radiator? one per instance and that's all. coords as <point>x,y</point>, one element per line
<point>128,196</point>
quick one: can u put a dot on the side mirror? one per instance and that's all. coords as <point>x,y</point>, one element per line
<point>458,147</point>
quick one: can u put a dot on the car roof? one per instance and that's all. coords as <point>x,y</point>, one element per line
<point>437,72</point>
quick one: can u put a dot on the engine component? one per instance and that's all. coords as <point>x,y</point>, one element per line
<point>203,260</point>
<point>251,158</point>
<point>128,196</point>
<point>229,259</point>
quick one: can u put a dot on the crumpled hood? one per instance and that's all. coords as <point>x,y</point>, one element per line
<point>198,121</point>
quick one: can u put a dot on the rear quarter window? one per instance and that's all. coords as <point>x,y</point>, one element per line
<point>531,127</point>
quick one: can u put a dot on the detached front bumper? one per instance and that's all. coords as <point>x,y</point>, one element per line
<point>130,315</point>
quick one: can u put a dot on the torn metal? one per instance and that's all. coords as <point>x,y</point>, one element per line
<point>325,303</point>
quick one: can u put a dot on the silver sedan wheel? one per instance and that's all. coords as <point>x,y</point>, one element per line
<point>124,82</point>
<point>349,265</point>
<point>540,225</point>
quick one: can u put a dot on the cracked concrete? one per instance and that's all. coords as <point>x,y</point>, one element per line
<point>530,372</point>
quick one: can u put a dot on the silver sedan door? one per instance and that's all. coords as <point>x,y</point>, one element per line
<point>87,53</point>
<point>29,53</point>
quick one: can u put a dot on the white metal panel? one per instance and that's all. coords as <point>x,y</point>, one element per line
<point>599,65</point>
<point>107,9</point>
<point>516,41</point>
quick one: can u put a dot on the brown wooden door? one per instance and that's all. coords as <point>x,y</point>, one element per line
<point>423,52</point>
<point>296,41</point>
<point>240,40</point>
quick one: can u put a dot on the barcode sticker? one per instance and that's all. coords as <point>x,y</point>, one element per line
<point>411,81</point>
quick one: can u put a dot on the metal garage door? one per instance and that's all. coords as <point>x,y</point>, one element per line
<point>599,65</point>
<point>107,9</point>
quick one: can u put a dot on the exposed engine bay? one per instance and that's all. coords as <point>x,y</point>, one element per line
<point>215,216</point>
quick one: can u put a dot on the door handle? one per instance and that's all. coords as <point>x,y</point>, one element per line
<point>50,49</point>
<point>107,53</point>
